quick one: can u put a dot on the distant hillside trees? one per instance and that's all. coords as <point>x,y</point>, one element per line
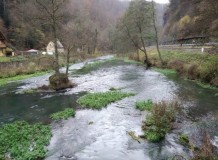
<point>187,18</point>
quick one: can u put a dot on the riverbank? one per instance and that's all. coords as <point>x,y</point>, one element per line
<point>199,67</point>
<point>34,66</point>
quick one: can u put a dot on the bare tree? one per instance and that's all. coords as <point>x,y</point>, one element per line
<point>138,25</point>
<point>51,11</point>
<point>156,32</point>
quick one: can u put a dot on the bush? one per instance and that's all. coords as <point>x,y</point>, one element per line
<point>144,105</point>
<point>67,113</point>
<point>207,150</point>
<point>22,141</point>
<point>100,100</point>
<point>158,124</point>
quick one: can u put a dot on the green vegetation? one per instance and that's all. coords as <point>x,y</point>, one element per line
<point>4,81</point>
<point>158,123</point>
<point>22,141</point>
<point>100,100</point>
<point>89,67</point>
<point>165,72</point>
<point>29,91</point>
<point>12,59</point>
<point>184,140</point>
<point>208,86</point>
<point>67,113</point>
<point>144,105</point>
<point>194,66</point>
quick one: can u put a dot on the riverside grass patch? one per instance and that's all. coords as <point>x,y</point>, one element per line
<point>22,141</point>
<point>67,113</point>
<point>144,105</point>
<point>100,100</point>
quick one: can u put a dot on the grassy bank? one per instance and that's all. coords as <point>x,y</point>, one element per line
<point>194,66</point>
<point>34,66</point>
<point>4,81</point>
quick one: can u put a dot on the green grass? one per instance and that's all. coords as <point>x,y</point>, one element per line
<point>100,100</point>
<point>165,72</point>
<point>5,59</point>
<point>67,113</point>
<point>183,140</point>
<point>207,86</point>
<point>144,105</point>
<point>4,81</point>
<point>92,66</point>
<point>23,141</point>
<point>194,66</point>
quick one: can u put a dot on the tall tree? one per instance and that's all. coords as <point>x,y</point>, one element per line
<point>52,12</point>
<point>137,22</point>
<point>156,32</point>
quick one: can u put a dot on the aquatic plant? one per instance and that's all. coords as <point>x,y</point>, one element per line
<point>144,105</point>
<point>67,113</point>
<point>100,100</point>
<point>183,140</point>
<point>158,123</point>
<point>22,141</point>
<point>29,91</point>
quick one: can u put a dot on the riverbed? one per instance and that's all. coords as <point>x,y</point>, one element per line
<point>103,134</point>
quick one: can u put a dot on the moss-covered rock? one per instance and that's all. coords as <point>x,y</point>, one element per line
<point>59,82</point>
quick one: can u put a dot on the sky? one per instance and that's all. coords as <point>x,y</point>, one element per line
<point>161,1</point>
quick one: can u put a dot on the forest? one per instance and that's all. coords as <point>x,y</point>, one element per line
<point>185,18</point>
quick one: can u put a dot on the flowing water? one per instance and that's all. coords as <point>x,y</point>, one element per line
<point>102,135</point>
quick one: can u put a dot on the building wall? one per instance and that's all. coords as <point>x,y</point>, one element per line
<point>51,48</point>
<point>2,48</point>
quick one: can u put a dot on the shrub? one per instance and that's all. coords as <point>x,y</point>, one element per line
<point>22,141</point>
<point>207,150</point>
<point>159,122</point>
<point>144,105</point>
<point>100,100</point>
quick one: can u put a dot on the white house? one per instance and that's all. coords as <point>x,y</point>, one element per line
<point>51,48</point>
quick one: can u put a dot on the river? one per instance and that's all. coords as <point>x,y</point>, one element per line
<point>102,135</point>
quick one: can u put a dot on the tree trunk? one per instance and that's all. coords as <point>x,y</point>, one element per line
<point>68,61</point>
<point>95,41</point>
<point>156,34</point>
<point>138,57</point>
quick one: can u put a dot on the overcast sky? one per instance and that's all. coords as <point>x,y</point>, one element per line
<point>162,1</point>
<point>158,1</point>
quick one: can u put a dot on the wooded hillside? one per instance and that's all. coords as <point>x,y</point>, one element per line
<point>20,21</point>
<point>187,18</point>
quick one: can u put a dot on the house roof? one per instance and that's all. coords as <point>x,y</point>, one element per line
<point>2,37</point>
<point>32,50</point>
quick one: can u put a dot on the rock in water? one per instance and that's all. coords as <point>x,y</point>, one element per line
<point>59,82</point>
